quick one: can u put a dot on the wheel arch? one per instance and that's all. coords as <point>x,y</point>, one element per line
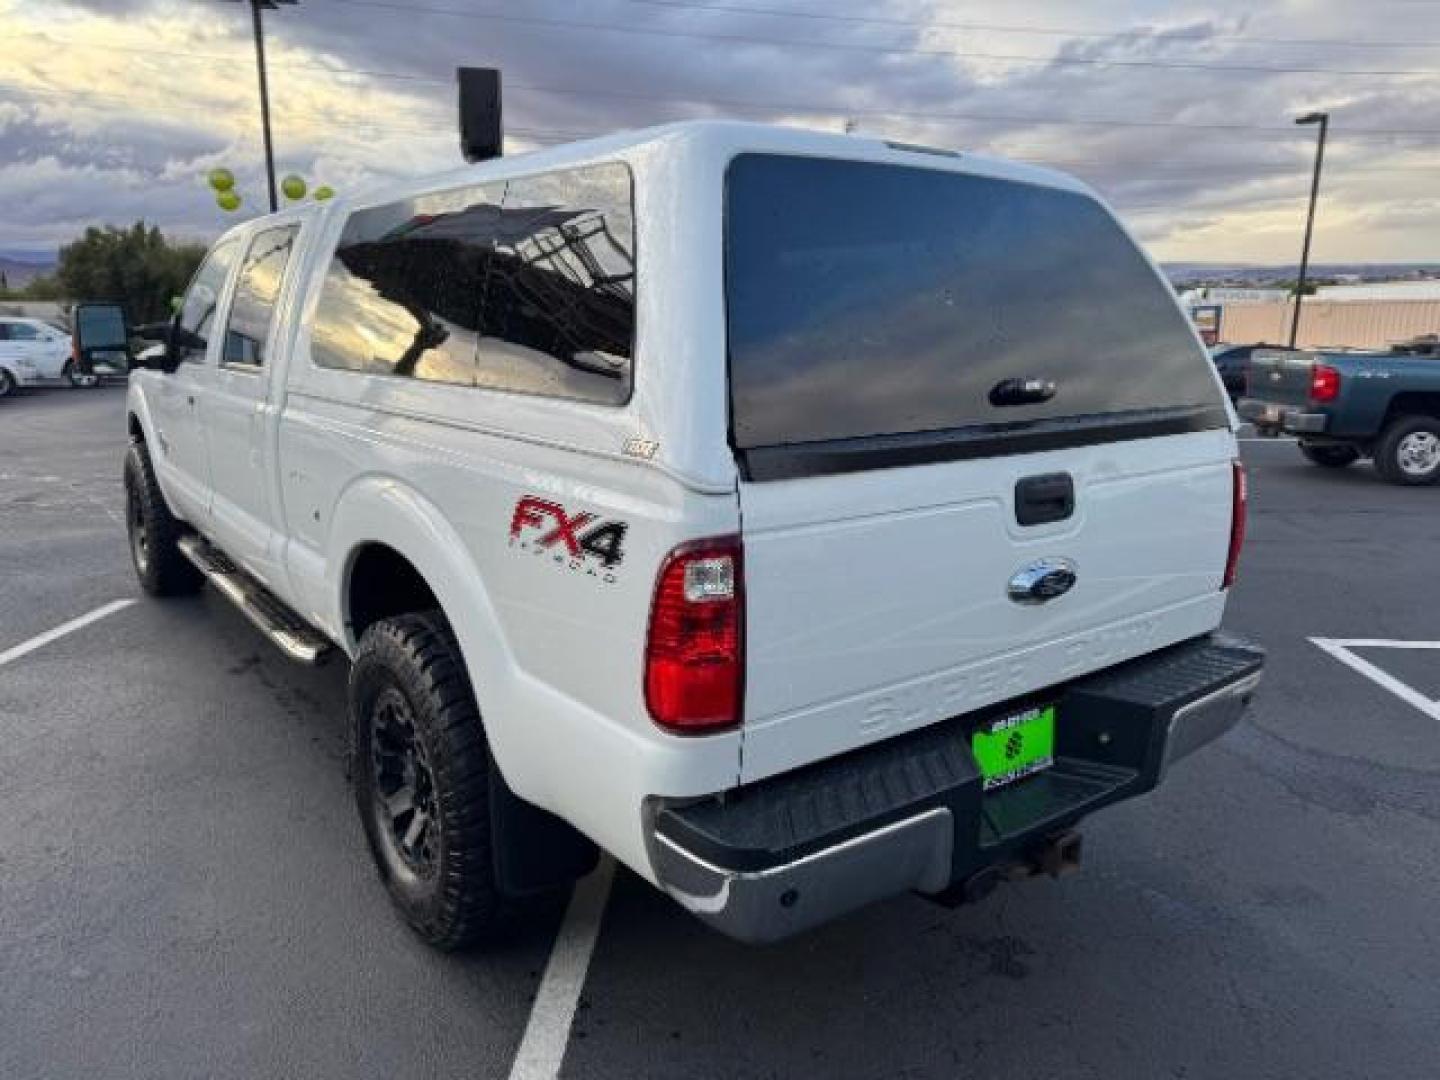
<point>389,544</point>
<point>138,422</point>
<point>1412,403</point>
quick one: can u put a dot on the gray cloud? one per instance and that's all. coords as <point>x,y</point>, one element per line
<point>1174,182</point>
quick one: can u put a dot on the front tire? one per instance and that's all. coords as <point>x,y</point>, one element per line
<point>154,532</point>
<point>1408,452</point>
<point>422,776</point>
<point>1330,456</point>
<point>7,383</point>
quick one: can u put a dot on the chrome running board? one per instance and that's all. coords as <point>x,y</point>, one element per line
<point>291,634</point>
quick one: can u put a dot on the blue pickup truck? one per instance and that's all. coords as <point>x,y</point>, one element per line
<point>1344,405</point>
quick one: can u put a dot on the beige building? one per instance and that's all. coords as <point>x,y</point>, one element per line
<point>1360,324</point>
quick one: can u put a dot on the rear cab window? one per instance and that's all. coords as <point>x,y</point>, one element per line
<point>884,314</point>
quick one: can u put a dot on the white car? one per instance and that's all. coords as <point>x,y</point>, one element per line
<point>804,519</point>
<point>32,351</point>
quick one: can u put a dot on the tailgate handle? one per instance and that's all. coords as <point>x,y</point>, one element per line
<point>1042,499</point>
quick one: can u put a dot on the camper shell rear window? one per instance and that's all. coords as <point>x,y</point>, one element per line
<point>885,314</point>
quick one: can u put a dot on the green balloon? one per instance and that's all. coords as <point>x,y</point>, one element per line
<point>221,179</point>
<point>323,192</point>
<point>228,201</point>
<point>293,186</point>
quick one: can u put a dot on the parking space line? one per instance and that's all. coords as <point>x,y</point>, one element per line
<point>1340,648</point>
<point>41,640</point>
<point>547,1034</point>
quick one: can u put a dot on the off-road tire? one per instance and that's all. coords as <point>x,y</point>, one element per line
<point>413,662</point>
<point>1330,456</point>
<point>154,532</point>
<point>1394,450</point>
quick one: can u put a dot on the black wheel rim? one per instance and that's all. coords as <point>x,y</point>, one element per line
<point>135,522</point>
<point>404,784</point>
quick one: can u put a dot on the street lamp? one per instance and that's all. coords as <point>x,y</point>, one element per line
<point>255,8</point>
<point>1323,119</point>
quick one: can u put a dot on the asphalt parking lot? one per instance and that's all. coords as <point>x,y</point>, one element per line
<point>184,889</point>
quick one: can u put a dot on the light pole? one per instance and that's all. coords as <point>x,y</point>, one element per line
<point>255,8</point>
<point>1323,119</point>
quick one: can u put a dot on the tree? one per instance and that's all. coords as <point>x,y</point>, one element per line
<point>42,287</point>
<point>136,266</point>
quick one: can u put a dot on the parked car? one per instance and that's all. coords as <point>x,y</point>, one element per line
<point>1345,405</point>
<point>1232,362</point>
<point>32,351</point>
<point>735,499</point>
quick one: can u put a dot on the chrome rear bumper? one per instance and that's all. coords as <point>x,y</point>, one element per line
<point>774,903</point>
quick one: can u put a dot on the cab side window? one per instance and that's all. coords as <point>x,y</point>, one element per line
<point>23,332</point>
<point>253,310</point>
<point>197,313</point>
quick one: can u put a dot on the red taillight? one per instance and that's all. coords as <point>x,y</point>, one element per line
<point>1324,383</point>
<point>1239,499</point>
<point>693,660</point>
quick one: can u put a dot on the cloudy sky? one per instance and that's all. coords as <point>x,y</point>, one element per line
<point>1179,112</point>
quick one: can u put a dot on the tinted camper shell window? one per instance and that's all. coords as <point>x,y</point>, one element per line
<point>900,305</point>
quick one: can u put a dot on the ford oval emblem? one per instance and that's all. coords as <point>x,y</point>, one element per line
<point>1042,580</point>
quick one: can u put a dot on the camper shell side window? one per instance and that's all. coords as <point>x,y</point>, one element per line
<point>524,285</point>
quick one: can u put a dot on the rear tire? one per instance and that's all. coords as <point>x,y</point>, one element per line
<point>1330,456</point>
<point>154,532</point>
<point>422,774</point>
<point>1408,451</point>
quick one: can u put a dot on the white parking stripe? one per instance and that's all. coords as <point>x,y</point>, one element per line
<point>542,1049</point>
<point>1340,650</point>
<point>41,640</point>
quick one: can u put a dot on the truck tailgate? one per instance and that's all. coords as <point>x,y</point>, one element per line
<point>1280,377</point>
<point>895,614</point>
<point>908,347</point>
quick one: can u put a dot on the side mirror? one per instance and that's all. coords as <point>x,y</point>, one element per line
<point>168,337</point>
<point>101,338</point>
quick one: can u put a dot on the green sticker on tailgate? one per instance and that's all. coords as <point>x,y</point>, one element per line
<point>1015,746</point>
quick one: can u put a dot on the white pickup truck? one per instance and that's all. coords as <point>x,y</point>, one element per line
<point>802,518</point>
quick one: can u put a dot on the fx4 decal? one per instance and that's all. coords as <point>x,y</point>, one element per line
<point>579,540</point>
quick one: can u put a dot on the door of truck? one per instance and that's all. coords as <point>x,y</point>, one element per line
<point>238,429</point>
<point>177,404</point>
<point>981,449</point>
